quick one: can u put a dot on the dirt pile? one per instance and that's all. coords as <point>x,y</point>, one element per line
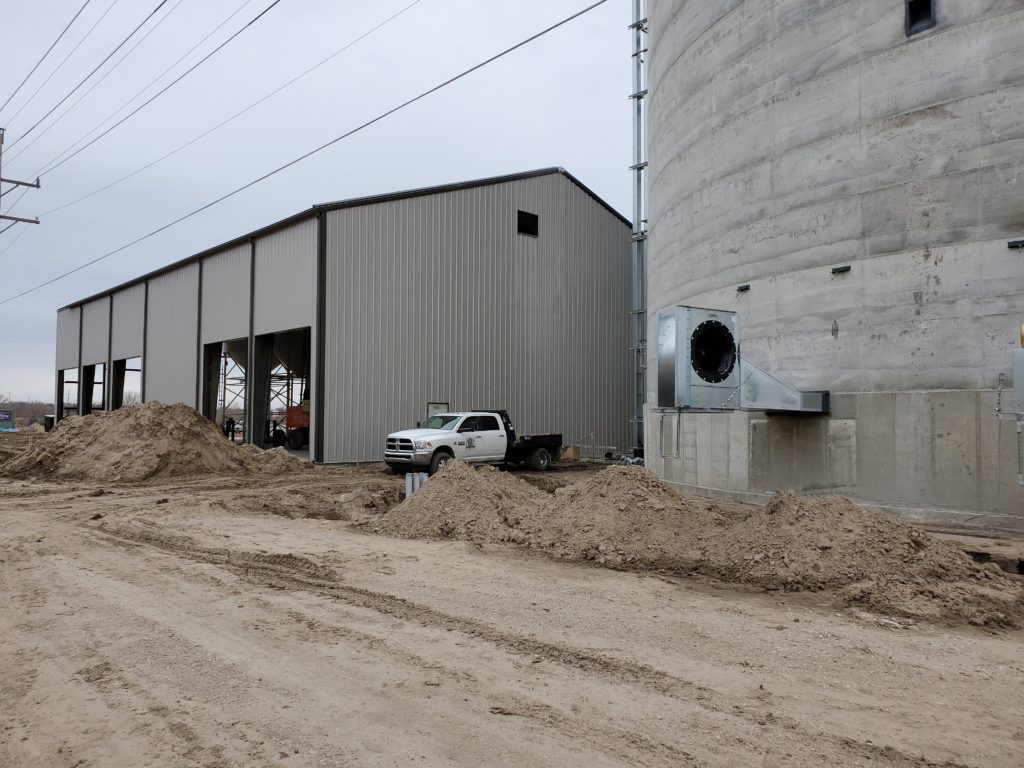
<point>885,565</point>
<point>319,500</point>
<point>142,442</point>
<point>15,443</point>
<point>461,502</point>
<point>621,517</point>
<point>624,517</point>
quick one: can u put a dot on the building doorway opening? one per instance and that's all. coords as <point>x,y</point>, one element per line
<point>67,384</point>
<point>94,390</point>
<point>224,390</point>
<point>281,391</point>
<point>125,382</point>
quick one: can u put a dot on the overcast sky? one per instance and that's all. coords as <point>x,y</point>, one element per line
<point>560,101</point>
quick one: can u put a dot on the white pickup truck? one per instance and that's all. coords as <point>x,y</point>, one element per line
<point>477,437</point>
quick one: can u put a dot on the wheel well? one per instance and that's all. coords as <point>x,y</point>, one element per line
<point>443,449</point>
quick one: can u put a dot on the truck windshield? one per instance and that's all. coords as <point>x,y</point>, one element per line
<point>443,421</point>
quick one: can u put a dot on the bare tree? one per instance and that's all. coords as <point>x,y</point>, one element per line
<point>130,398</point>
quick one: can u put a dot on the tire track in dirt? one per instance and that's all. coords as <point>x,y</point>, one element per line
<point>289,571</point>
<point>373,643</point>
<point>623,745</point>
<point>627,746</point>
<point>112,682</point>
<point>110,687</point>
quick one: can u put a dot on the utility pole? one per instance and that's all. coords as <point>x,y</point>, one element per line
<point>16,183</point>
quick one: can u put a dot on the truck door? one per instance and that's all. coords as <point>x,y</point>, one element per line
<point>469,443</point>
<point>492,438</point>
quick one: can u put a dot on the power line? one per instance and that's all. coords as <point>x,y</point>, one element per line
<point>24,192</point>
<point>84,79</point>
<point>52,46</point>
<point>141,91</point>
<point>92,87</point>
<point>16,238</point>
<point>62,61</point>
<point>237,114</point>
<point>312,152</point>
<point>14,223</point>
<point>163,90</point>
<point>53,163</point>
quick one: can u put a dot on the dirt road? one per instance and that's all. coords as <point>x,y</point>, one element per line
<point>184,628</point>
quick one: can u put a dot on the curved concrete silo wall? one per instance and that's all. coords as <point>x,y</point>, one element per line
<point>788,137</point>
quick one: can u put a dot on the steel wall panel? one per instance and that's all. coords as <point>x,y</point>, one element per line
<point>226,295</point>
<point>95,331</point>
<point>67,337</point>
<point>285,290</point>
<point>171,328</point>
<point>129,319</point>
<point>437,298</point>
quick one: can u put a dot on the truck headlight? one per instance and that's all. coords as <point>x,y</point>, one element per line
<point>422,445</point>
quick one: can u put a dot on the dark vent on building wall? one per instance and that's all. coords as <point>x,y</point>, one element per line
<point>529,224</point>
<point>920,16</point>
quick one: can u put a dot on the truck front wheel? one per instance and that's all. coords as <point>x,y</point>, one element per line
<point>438,461</point>
<point>540,459</point>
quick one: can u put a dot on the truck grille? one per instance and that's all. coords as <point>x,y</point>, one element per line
<point>399,444</point>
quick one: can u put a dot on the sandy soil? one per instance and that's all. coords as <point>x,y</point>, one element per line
<point>206,624</point>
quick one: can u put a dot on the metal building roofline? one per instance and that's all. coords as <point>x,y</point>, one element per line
<point>351,203</point>
<point>493,180</point>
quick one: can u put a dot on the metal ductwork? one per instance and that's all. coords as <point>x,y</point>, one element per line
<point>698,358</point>
<point>700,367</point>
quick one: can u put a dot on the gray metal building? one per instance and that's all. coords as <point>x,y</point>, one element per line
<point>846,177</point>
<point>507,292</point>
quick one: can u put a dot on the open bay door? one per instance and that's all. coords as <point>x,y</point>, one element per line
<point>700,367</point>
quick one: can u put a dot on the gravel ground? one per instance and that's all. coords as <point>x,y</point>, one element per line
<point>187,625</point>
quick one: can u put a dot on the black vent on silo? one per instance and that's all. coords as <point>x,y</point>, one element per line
<point>920,16</point>
<point>713,351</point>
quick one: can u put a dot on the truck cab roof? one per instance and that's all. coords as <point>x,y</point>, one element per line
<point>466,413</point>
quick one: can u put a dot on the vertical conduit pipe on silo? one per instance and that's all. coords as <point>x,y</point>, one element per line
<point>638,255</point>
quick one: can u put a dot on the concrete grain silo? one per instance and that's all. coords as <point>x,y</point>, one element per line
<point>846,176</point>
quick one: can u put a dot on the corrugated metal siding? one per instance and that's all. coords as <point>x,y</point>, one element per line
<point>95,331</point>
<point>173,312</point>
<point>226,295</point>
<point>67,338</point>
<point>439,299</point>
<point>129,318</point>
<point>285,290</point>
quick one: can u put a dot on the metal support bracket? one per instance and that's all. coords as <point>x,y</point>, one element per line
<point>15,182</point>
<point>17,218</point>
